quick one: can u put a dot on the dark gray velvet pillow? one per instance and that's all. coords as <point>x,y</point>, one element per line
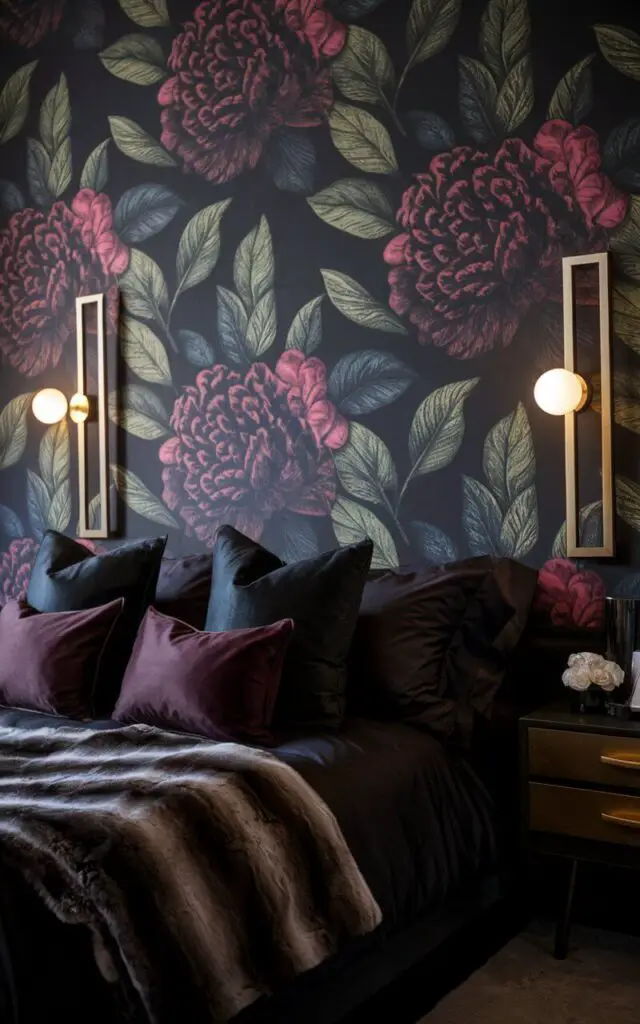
<point>252,587</point>
<point>66,577</point>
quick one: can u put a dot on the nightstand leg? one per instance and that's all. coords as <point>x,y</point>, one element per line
<point>563,927</point>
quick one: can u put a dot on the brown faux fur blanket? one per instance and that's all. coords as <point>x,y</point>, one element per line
<point>208,873</point>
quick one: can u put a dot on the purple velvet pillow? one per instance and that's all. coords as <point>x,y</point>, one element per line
<point>220,685</point>
<point>49,661</point>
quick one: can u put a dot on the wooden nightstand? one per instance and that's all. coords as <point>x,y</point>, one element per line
<point>581,793</point>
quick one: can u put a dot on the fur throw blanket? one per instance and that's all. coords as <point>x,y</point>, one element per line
<point>209,874</point>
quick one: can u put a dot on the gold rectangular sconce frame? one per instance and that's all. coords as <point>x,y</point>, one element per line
<point>84,530</point>
<point>601,261</point>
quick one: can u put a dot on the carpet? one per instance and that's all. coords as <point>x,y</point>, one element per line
<point>598,983</point>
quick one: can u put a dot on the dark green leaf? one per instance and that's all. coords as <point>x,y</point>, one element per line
<point>430,27</point>
<point>196,349</point>
<point>481,517</point>
<point>38,502</point>
<point>625,241</point>
<point>478,98</point>
<point>509,460</point>
<point>38,168</point>
<point>356,206</point>
<point>433,544</point>
<point>292,161</point>
<point>621,47</point>
<point>626,313</point>
<point>364,381</point>
<point>515,99</point>
<point>143,211</point>
<point>232,325</point>
<point>430,130</point>
<point>621,154</point>
<point>14,102</point>
<point>299,539</point>
<point>10,524</point>
<point>60,173</point>
<point>573,97</point>
<point>590,530</point>
<point>11,198</point>
<point>148,13</point>
<point>505,35</point>
<point>519,530</point>
<point>55,117</point>
<point>628,501</point>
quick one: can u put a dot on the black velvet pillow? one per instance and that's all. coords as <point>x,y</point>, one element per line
<point>66,577</point>
<point>183,588</point>
<point>431,645</point>
<point>252,587</point>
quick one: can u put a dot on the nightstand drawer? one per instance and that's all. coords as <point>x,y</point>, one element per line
<point>584,813</point>
<point>585,757</point>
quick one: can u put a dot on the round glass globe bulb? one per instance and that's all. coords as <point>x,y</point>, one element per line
<point>49,405</point>
<point>560,391</point>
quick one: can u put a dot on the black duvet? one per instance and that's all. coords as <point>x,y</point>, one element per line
<point>415,815</point>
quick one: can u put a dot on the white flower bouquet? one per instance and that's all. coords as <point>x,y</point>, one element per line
<point>585,670</point>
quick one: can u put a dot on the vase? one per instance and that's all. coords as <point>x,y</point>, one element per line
<point>621,618</point>
<point>587,702</point>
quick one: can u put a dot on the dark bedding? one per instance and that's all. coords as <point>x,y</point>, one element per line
<point>415,815</point>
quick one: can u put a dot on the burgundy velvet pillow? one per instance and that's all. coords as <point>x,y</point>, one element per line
<point>220,685</point>
<point>49,661</point>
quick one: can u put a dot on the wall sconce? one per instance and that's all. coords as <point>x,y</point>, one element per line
<point>50,406</point>
<point>563,392</point>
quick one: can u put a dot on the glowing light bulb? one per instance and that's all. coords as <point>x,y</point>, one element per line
<point>560,391</point>
<point>79,408</point>
<point>49,405</point>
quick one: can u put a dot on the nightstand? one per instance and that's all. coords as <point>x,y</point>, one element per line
<point>581,793</point>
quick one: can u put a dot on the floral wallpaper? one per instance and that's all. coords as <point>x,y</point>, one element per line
<point>335,228</point>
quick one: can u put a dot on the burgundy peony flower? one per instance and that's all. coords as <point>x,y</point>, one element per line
<point>242,69</point>
<point>248,447</point>
<point>15,569</point>
<point>46,260</point>
<point>26,22</point>
<point>482,235</point>
<point>569,595</point>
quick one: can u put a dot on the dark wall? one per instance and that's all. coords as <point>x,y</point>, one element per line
<point>336,228</point>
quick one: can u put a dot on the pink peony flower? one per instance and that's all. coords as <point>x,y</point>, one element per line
<point>241,70</point>
<point>569,595</point>
<point>15,569</point>
<point>307,397</point>
<point>46,261</point>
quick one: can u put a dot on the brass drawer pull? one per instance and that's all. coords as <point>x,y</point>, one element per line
<point>622,760</point>
<point>629,819</point>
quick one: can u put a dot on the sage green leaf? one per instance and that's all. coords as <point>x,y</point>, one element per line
<point>515,99</point>
<point>14,102</point>
<point>621,47</point>
<point>253,266</point>
<point>362,140</point>
<point>139,498</point>
<point>626,313</point>
<point>143,352</point>
<point>59,515</point>
<point>144,289</point>
<point>628,501</point>
<point>94,513</point>
<point>148,13</point>
<point>199,246</point>
<point>626,398</point>
<point>433,544</point>
<point>262,326</point>
<point>363,70</point>
<point>38,502</point>
<point>356,206</point>
<point>95,172</point>
<point>136,58</point>
<point>60,172</point>
<point>481,517</point>
<point>38,169</point>
<point>505,35</point>
<point>139,411</point>
<point>625,241</point>
<point>519,530</point>
<point>478,98</point>
<point>355,302</point>
<point>438,427</point>
<point>430,27</point>
<point>54,457</point>
<point>353,523</point>
<point>365,466</point>
<point>13,430</point>
<point>573,97</point>
<point>305,332</point>
<point>590,530</point>
<point>509,460</point>
<point>55,117</point>
<point>133,141</point>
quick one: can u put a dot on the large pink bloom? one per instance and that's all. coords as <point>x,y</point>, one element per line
<point>15,569</point>
<point>248,446</point>
<point>569,595</point>
<point>46,261</point>
<point>242,69</point>
<point>26,22</point>
<point>482,235</point>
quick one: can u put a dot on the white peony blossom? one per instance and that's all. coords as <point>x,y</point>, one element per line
<point>586,669</point>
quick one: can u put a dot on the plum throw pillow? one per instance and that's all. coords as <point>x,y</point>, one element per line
<point>66,576</point>
<point>220,685</point>
<point>50,661</point>
<point>252,587</point>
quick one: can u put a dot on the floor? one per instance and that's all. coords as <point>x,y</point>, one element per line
<point>599,983</point>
